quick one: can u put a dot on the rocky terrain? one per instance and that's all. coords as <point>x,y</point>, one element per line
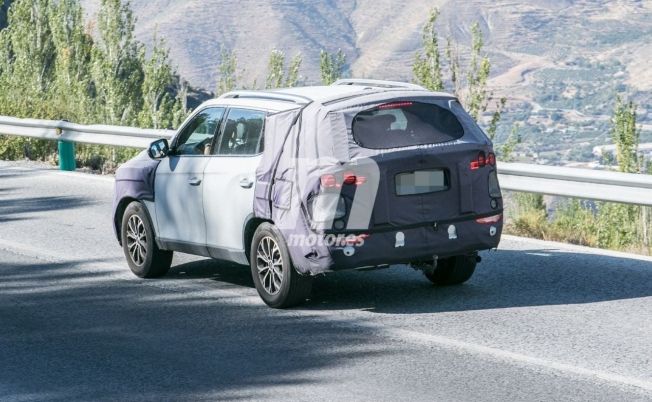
<point>559,62</point>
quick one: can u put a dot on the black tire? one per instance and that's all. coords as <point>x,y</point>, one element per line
<point>278,290</point>
<point>152,262</point>
<point>453,270</point>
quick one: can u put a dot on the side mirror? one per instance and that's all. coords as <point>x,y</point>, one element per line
<point>158,149</point>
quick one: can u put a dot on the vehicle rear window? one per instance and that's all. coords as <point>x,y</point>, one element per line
<point>404,124</point>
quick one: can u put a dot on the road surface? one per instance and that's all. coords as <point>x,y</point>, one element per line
<point>538,321</point>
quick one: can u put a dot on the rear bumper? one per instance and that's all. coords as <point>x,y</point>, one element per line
<point>418,244</point>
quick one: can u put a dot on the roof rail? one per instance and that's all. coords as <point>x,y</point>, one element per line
<point>378,83</point>
<point>269,95</point>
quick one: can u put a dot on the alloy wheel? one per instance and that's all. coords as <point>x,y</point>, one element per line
<point>269,262</point>
<point>136,240</point>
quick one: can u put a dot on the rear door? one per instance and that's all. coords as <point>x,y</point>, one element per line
<point>418,185</point>
<point>229,180</point>
<point>179,183</point>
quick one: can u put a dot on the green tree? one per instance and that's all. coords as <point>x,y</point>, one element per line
<point>453,57</point>
<point>160,109</point>
<point>27,58</point>
<point>275,69</point>
<point>50,67</point>
<point>427,64</point>
<point>72,79</point>
<point>117,64</point>
<point>277,77</point>
<point>478,75</point>
<point>470,87</point>
<point>227,79</point>
<point>292,77</point>
<point>623,223</point>
<point>625,135</point>
<point>495,118</point>
<point>331,66</point>
<point>506,150</point>
<point>28,54</point>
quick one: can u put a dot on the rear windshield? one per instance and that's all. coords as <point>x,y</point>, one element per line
<point>404,124</point>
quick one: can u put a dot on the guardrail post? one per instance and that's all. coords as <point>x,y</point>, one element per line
<point>67,155</point>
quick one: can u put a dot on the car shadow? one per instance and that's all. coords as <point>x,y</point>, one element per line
<point>219,271</point>
<point>504,279</point>
<point>17,208</point>
<point>69,333</point>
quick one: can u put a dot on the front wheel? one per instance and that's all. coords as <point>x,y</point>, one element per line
<point>144,257</point>
<point>277,281</point>
<point>453,270</point>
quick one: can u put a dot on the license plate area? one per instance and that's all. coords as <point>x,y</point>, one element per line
<point>422,182</point>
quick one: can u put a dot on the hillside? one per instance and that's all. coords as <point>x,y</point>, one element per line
<point>559,62</point>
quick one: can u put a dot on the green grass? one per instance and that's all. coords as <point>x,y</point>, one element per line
<point>594,224</point>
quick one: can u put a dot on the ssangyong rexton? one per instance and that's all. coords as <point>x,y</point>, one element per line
<point>302,181</point>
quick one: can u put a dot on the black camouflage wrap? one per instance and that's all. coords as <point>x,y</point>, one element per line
<point>289,175</point>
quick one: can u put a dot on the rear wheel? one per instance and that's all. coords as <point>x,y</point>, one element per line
<point>453,270</point>
<point>277,282</point>
<point>144,257</point>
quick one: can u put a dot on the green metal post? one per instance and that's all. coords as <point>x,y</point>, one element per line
<point>67,155</point>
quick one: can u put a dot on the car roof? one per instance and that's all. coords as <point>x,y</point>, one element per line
<point>291,98</point>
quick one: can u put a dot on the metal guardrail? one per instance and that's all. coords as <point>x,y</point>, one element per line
<point>589,184</point>
<point>71,132</point>
<point>551,180</point>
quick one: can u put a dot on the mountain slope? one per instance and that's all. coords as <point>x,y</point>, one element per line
<point>559,62</point>
<point>381,36</point>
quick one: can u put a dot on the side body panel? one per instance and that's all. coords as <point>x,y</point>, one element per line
<point>179,204</point>
<point>228,204</point>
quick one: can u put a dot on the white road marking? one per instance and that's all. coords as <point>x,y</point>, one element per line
<point>84,176</point>
<point>513,357</point>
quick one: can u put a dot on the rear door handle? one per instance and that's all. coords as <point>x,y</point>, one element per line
<point>195,181</point>
<point>246,183</point>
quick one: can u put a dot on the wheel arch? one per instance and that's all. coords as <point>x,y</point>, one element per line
<point>120,212</point>
<point>248,231</point>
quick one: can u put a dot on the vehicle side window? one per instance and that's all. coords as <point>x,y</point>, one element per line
<point>197,137</point>
<point>242,133</point>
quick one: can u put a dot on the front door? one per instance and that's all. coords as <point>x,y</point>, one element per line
<point>179,183</point>
<point>229,182</point>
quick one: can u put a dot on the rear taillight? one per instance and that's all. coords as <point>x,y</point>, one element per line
<point>353,240</point>
<point>348,179</point>
<point>483,160</point>
<point>490,219</point>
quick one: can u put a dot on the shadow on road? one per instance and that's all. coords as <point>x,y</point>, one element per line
<point>220,271</point>
<point>504,279</point>
<point>72,333</point>
<point>12,209</point>
<point>69,334</point>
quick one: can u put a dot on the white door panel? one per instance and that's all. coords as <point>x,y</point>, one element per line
<point>179,190</point>
<point>228,199</point>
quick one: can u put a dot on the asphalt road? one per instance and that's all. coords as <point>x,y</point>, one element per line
<point>538,321</point>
